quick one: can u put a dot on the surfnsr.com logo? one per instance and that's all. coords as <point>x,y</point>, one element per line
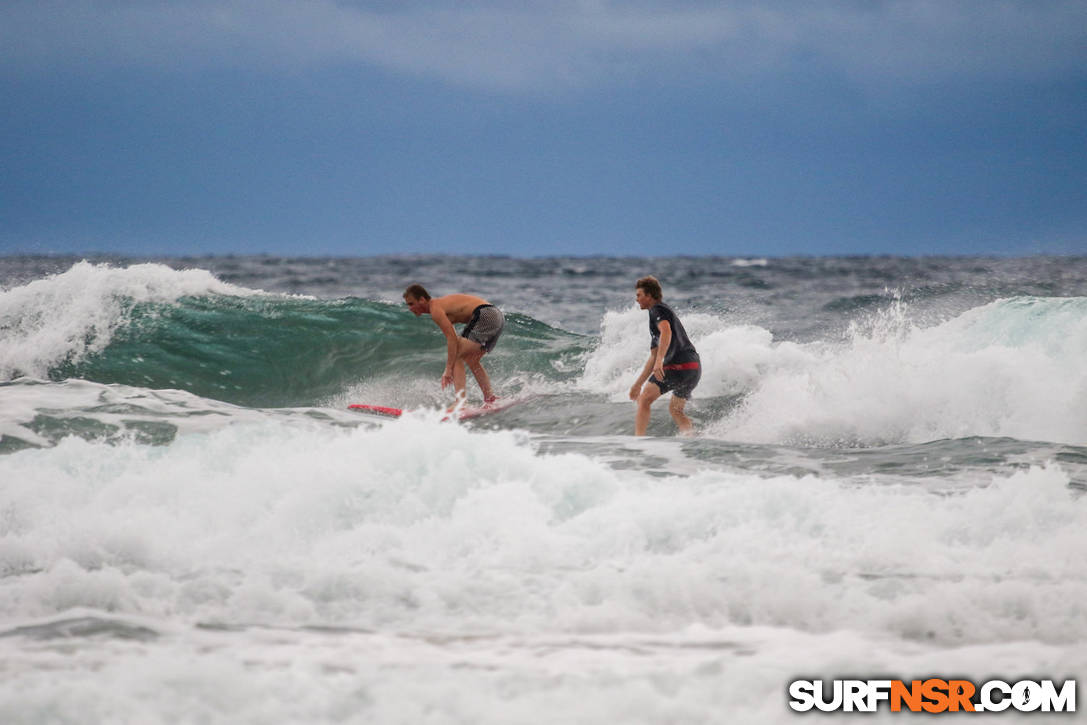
<point>932,695</point>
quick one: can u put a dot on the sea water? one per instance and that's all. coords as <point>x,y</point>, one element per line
<point>886,482</point>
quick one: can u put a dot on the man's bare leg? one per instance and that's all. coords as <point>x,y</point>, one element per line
<point>459,379</point>
<point>675,407</point>
<point>650,392</point>
<point>475,364</point>
<point>469,353</point>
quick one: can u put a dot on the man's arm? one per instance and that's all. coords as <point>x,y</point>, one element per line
<point>636,389</point>
<point>655,364</point>
<point>662,348</point>
<point>437,313</point>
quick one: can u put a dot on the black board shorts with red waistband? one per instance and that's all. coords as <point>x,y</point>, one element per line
<point>681,379</point>
<point>485,327</point>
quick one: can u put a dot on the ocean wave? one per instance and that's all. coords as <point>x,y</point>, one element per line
<point>73,314</point>
<point>899,373</point>
<point>154,327</point>
<point>1009,368</point>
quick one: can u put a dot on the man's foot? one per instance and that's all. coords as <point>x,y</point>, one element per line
<point>491,400</point>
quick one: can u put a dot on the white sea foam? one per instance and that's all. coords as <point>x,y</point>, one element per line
<point>1009,368</point>
<point>69,315</point>
<point>423,571</point>
<point>425,526</point>
<point>734,674</point>
<point>742,350</point>
<point>115,406</point>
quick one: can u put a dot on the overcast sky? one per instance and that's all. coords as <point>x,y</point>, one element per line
<point>529,128</point>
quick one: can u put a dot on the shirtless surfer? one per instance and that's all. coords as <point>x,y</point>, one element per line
<point>673,363</point>
<point>484,326</point>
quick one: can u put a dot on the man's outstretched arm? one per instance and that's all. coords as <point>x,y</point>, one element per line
<point>437,313</point>
<point>636,389</point>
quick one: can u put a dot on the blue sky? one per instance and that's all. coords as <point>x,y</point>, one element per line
<point>529,128</point>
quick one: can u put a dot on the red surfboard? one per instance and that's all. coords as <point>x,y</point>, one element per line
<point>466,413</point>
<point>377,409</point>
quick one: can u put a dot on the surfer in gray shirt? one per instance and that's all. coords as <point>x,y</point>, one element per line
<point>673,363</point>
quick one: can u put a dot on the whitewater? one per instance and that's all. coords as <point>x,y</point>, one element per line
<point>887,480</point>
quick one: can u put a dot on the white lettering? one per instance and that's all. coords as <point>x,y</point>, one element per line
<point>878,690</point>
<point>993,696</point>
<point>1026,696</point>
<point>854,696</point>
<point>803,694</point>
<point>1064,701</point>
<point>988,703</point>
<point>835,701</point>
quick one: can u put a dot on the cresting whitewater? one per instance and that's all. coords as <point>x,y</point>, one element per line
<point>887,481</point>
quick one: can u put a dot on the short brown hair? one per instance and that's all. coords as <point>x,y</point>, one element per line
<point>650,286</point>
<point>417,292</point>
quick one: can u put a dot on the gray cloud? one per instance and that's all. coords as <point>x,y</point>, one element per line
<point>564,44</point>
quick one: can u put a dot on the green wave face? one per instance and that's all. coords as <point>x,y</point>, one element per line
<point>274,351</point>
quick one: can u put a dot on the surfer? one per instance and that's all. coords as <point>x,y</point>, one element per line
<point>484,323</point>
<point>673,363</point>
